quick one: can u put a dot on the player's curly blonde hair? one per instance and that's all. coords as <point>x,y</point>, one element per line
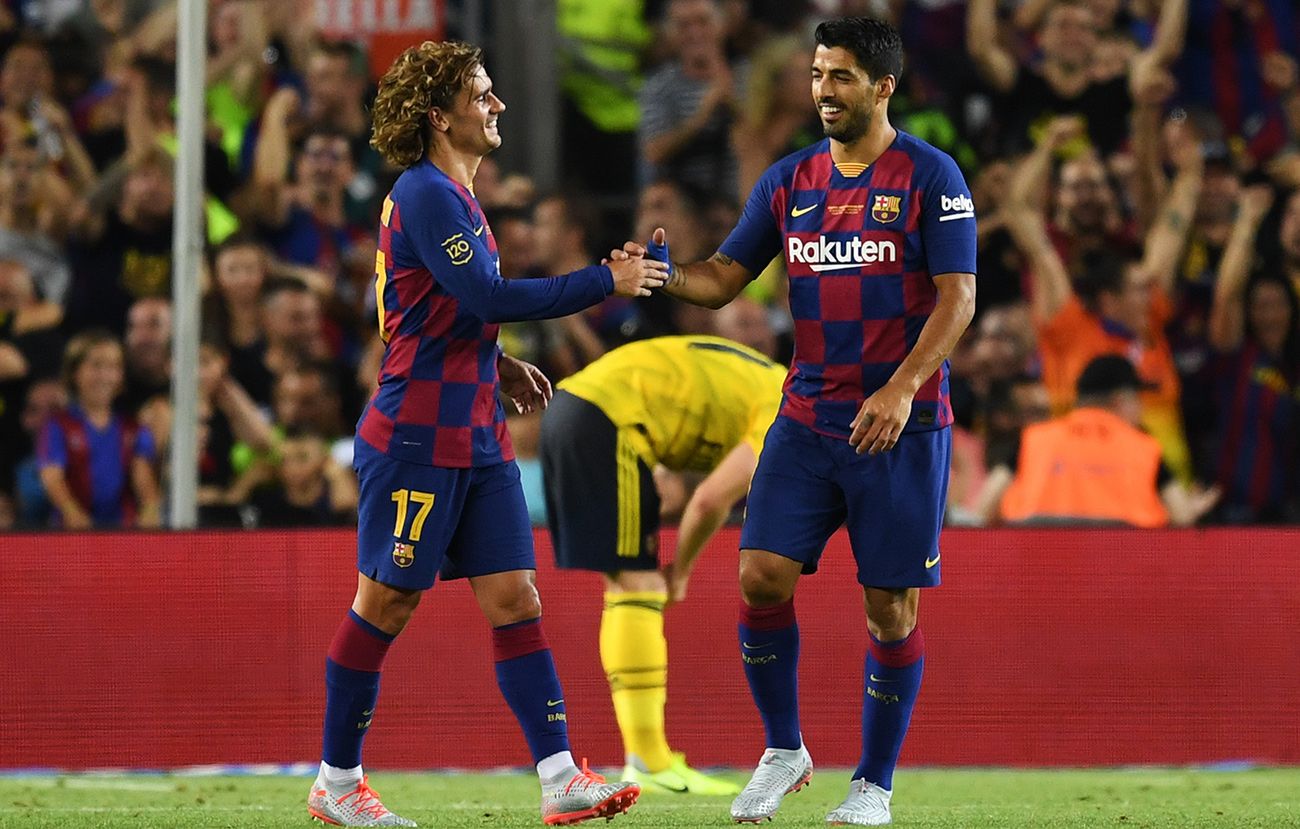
<point>423,77</point>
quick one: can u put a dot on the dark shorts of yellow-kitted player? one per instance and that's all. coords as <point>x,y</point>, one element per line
<point>601,501</point>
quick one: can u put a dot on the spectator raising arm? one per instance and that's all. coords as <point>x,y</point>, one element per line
<point>1028,228</point>
<point>1166,46</point>
<point>272,158</point>
<point>1167,238</point>
<point>1227,315</point>
<point>996,65</point>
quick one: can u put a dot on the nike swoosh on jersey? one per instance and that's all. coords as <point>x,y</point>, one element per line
<point>930,562</point>
<point>799,211</point>
<point>750,647</point>
<point>551,703</point>
<point>479,231</point>
<point>875,678</point>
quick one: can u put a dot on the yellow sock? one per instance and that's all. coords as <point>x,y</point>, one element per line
<point>634,653</point>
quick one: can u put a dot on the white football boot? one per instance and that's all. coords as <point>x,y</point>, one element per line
<point>780,772</point>
<point>866,805</point>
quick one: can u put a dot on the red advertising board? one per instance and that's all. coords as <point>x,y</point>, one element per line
<point>1043,648</point>
<point>384,27</point>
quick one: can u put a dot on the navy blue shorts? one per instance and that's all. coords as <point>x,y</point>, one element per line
<point>416,522</point>
<point>807,485</point>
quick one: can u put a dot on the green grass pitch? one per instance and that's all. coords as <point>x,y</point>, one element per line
<point>925,798</point>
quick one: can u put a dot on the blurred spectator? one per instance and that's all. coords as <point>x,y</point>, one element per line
<point>1255,329</point>
<point>670,205</point>
<point>125,252</point>
<point>1095,466</point>
<point>45,399</point>
<point>36,206</point>
<point>567,230</point>
<point>1119,304</point>
<point>291,336</point>
<point>308,488</point>
<point>305,216</point>
<point>1063,82</point>
<point>308,398</point>
<point>146,126</point>
<point>778,117</point>
<point>29,349</point>
<point>30,109</point>
<point>600,45</point>
<point>1239,61</point>
<point>236,71</point>
<point>745,321</point>
<point>232,313</point>
<point>148,351</point>
<point>689,104</point>
<point>231,416</point>
<point>1011,406</point>
<point>512,227</point>
<point>96,465</point>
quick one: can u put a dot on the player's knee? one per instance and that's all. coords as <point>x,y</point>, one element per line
<point>762,585</point>
<point>387,608</point>
<point>890,618</point>
<point>517,605</point>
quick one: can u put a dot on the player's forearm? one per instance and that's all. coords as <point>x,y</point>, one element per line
<point>700,521</point>
<point>514,300</point>
<point>703,283</point>
<point>951,315</point>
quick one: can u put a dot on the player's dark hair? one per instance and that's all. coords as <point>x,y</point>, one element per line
<point>875,44</point>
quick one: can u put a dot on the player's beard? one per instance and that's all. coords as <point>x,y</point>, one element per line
<point>851,127</point>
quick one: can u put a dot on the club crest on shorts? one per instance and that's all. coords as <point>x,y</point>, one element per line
<point>403,554</point>
<point>885,209</point>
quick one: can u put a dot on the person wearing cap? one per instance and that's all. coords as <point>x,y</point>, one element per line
<point>1095,466</point>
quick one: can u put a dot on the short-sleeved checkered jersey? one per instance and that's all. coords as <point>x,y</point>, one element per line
<point>440,298</point>
<point>861,245</point>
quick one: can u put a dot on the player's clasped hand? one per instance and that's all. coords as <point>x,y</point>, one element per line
<point>881,419</point>
<point>636,276</point>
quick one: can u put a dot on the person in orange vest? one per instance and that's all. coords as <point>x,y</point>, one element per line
<point>1095,466</point>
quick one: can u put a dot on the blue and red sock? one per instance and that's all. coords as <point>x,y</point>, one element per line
<point>527,679</point>
<point>769,649</point>
<point>351,688</point>
<point>892,679</point>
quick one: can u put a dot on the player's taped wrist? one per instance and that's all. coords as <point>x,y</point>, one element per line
<point>658,252</point>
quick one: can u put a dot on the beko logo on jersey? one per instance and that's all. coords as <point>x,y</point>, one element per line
<point>822,254</point>
<point>961,203</point>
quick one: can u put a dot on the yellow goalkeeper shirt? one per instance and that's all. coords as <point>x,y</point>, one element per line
<point>684,402</point>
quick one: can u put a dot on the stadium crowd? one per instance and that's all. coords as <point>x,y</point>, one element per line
<point>1135,167</point>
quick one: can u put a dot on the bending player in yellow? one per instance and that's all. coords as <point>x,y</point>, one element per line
<point>689,403</point>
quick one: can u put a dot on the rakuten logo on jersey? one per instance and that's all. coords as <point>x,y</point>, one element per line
<point>962,205</point>
<point>822,254</point>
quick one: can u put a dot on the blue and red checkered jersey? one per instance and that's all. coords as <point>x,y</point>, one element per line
<point>440,298</point>
<point>862,244</point>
